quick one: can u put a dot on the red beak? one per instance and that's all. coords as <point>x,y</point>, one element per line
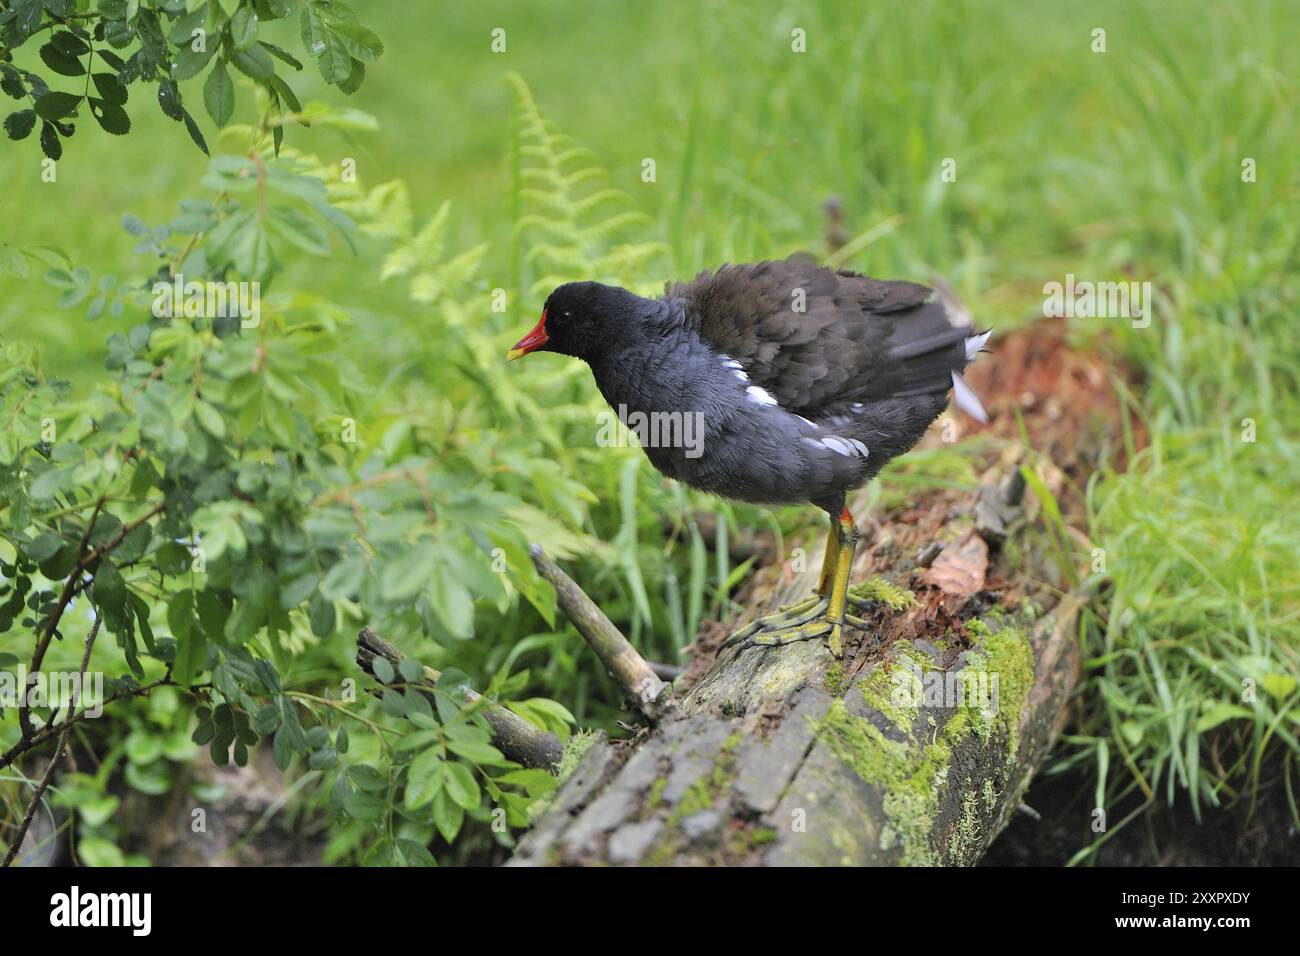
<point>530,342</point>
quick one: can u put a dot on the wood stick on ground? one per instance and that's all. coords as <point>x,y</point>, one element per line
<point>652,696</point>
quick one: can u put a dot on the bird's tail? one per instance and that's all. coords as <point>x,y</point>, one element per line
<point>962,394</point>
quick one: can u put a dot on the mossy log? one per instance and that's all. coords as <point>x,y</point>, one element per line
<point>915,748</point>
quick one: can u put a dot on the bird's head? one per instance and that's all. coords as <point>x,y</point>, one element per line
<point>580,319</point>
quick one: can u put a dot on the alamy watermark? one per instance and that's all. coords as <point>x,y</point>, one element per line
<point>652,430</point>
<point>967,688</point>
<point>212,300</point>
<point>1084,299</point>
<point>63,689</point>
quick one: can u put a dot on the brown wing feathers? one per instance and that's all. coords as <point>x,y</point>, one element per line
<point>856,339</point>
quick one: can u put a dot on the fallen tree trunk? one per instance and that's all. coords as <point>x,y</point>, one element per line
<point>913,750</point>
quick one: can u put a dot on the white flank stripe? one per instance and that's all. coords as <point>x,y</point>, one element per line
<point>759,395</point>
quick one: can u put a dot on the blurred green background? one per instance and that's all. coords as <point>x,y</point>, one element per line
<point>1126,162</point>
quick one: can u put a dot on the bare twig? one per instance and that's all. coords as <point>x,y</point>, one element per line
<point>70,588</point>
<point>59,752</point>
<point>52,730</point>
<point>652,696</point>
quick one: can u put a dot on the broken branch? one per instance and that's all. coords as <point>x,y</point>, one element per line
<point>652,696</point>
<point>515,737</point>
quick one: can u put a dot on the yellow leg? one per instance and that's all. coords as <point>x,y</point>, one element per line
<point>846,533</point>
<point>829,558</point>
<point>822,616</point>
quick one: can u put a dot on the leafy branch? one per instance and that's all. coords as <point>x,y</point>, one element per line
<point>167,42</point>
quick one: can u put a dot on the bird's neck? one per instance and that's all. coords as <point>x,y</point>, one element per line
<point>664,367</point>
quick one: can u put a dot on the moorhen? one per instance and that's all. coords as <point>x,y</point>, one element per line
<point>806,382</point>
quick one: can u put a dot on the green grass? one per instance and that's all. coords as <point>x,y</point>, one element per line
<point>1103,165</point>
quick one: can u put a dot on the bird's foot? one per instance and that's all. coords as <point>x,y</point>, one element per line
<point>803,621</point>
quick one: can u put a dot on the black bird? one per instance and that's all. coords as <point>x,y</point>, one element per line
<point>806,380</point>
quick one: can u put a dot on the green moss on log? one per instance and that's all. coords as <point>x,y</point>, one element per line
<point>891,595</point>
<point>911,774</point>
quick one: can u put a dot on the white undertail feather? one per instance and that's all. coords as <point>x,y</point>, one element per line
<point>975,343</point>
<point>967,400</point>
<point>963,395</point>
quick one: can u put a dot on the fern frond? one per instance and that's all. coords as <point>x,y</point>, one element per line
<point>572,223</point>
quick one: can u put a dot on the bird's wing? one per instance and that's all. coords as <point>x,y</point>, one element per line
<point>818,339</point>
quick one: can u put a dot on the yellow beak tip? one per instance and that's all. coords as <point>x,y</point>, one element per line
<point>514,354</point>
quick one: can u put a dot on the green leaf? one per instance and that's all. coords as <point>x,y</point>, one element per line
<point>98,851</point>
<point>143,747</point>
<point>61,62</point>
<point>366,777</point>
<point>404,576</point>
<point>322,615</point>
<point>301,230</point>
<point>343,580</point>
<point>447,815</point>
<point>243,27</point>
<point>461,785</point>
<point>416,854</point>
<point>358,41</point>
<point>46,545</point>
<point>479,751</point>
<point>367,807</point>
<point>1218,713</point>
<point>180,614</point>
<point>11,82</point>
<point>254,62</point>
<point>335,61</point>
<point>353,82</point>
<point>169,100</point>
<point>19,125</point>
<point>189,62</point>
<point>110,88</point>
<point>111,117</point>
<point>384,672</point>
<point>411,670</point>
<point>50,145</point>
<point>109,588</point>
<point>53,106</point>
<point>424,779</point>
<point>283,55</point>
<point>70,43</point>
<point>210,419</point>
<point>182,31</point>
<point>299,590</point>
<point>322,759</point>
<point>219,95</point>
<point>453,601</point>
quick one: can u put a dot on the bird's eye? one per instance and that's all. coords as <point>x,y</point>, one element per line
<point>567,314</point>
